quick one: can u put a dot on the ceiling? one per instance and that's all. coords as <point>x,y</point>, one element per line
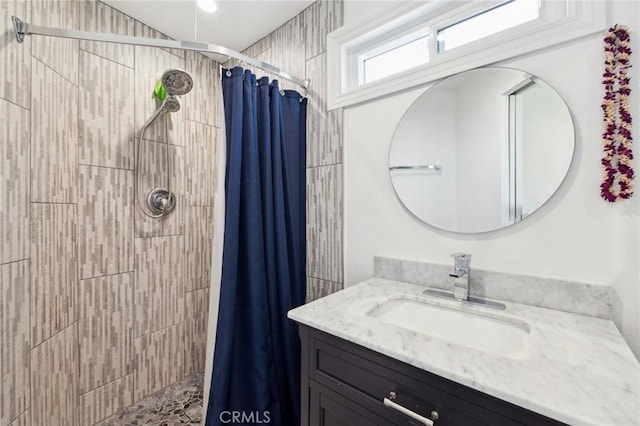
<point>236,25</point>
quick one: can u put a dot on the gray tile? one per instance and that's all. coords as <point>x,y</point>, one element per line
<point>151,174</point>
<point>95,16</point>
<point>288,50</point>
<point>324,223</point>
<point>319,288</point>
<point>321,18</point>
<point>202,104</point>
<point>14,181</point>
<point>60,54</point>
<point>105,401</point>
<point>14,340</point>
<point>23,420</point>
<point>173,224</point>
<point>196,309</point>
<point>105,330</point>
<point>159,360</point>
<point>198,240</point>
<point>105,221</point>
<point>324,128</point>
<point>54,379</point>
<point>54,269</point>
<point>142,30</point>
<point>15,58</point>
<point>105,113</point>
<point>200,159</point>
<point>54,136</point>
<point>159,289</point>
<point>258,47</point>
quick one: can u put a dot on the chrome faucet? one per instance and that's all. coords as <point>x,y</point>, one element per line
<point>461,272</point>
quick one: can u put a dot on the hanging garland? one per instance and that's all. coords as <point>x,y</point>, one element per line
<point>618,173</point>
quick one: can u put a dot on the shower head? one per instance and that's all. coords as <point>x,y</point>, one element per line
<point>177,82</point>
<point>170,104</point>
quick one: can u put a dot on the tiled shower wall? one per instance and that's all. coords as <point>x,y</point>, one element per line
<point>299,47</point>
<point>100,306</point>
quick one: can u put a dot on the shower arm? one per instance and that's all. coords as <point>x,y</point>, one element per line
<point>23,29</point>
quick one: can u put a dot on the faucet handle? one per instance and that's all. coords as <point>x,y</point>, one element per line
<point>461,256</point>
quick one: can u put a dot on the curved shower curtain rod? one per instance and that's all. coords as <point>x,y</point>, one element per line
<point>23,29</point>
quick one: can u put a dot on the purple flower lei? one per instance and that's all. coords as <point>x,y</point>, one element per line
<point>618,174</point>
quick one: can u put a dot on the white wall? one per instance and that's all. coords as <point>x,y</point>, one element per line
<point>575,235</point>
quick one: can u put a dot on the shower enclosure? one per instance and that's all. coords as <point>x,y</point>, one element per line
<point>108,305</point>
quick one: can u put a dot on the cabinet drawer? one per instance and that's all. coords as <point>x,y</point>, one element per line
<point>327,402</point>
<point>354,370</point>
<point>328,408</point>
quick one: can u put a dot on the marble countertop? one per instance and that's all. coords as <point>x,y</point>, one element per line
<point>576,369</point>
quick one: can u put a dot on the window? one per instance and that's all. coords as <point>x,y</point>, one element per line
<point>394,59</point>
<point>409,51</point>
<point>401,54</point>
<point>412,43</point>
<point>484,24</point>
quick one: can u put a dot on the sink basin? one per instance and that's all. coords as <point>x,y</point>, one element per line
<point>454,323</point>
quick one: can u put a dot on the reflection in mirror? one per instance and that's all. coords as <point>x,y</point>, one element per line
<point>481,150</point>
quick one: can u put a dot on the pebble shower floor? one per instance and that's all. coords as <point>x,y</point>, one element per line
<point>178,404</point>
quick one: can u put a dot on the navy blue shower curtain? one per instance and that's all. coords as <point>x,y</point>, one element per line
<point>256,370</point>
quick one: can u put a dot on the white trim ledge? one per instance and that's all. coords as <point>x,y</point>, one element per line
<point>561,21</point>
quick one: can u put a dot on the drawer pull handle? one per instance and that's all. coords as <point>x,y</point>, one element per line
<point>415,416</point>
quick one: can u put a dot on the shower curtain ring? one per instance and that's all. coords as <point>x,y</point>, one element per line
<point>229,73</point>
<point>282,92</point>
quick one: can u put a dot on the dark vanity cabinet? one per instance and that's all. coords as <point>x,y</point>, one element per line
<point>345,384</point>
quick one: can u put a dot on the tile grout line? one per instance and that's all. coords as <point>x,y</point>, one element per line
<point>158,330</point>
<point>54,335</point>
<point>323,165</point>
<point>30,194</point>
<point>80,279</point>
<point>105,384</point>
<point>106,167</point>
<point>322,279</point>
<point>77,242</point>
<point>55,72</point>
<point>53,203</point>
<point>197,289</point>
<point>201,123</point>
<point>105,58</point>
<point>17,105</point>
<point>134,224</point>
<point>11,421</point>
<point>315,56</point>
<point>15,261</point>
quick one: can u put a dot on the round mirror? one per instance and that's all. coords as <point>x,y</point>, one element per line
<point>481,150</point>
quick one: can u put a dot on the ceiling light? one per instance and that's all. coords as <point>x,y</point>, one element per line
<point>208,5</point>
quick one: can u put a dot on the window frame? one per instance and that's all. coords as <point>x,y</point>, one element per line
<point>560,21</point>
<point>397,42</point>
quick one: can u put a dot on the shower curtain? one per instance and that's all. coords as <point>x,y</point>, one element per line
<point>256,369</point>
